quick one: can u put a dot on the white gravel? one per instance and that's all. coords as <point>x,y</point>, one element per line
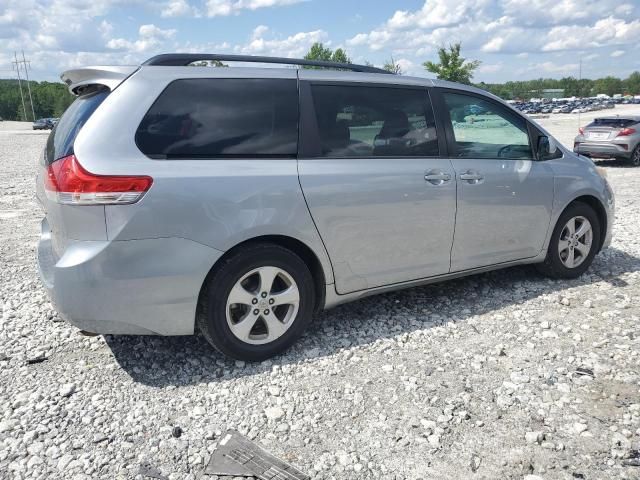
<point>505,375</point>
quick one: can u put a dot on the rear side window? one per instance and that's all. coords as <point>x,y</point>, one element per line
<point>356,121</point>
<point>209,118</point>
<point>612,122</point>
<point>60,142</point>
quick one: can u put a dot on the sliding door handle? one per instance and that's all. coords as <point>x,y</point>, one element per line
<point>437,177</point>
<point>471,176</point>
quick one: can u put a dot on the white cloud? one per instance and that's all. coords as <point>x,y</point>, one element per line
<point>505,26</point>
<point>544,68</point>
<point>262,42</point>
<point>259,32</point>
<point>493,45</point>
<point>549,35</point>
<point>178,8</point>
<point>490,67</point>
<point>105,29</point>
<point>607,31</point>
<point>406,65</point>
<point>436,13</point>
<point>149,38</point>
<point>223,8</point>
<point>55,25</point>
<point>553,12</point>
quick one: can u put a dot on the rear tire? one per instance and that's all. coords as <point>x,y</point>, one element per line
<point>635,157</point>
<point>573,244</point>
<point>257,302</point>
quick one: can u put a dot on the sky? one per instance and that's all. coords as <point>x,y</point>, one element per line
<point>514,39</point>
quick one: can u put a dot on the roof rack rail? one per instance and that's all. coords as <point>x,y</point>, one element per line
<point>184,59</point>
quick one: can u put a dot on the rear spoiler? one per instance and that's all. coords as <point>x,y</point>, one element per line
<point>81,80</point>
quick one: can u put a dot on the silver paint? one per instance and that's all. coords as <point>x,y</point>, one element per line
<point>373,224</point>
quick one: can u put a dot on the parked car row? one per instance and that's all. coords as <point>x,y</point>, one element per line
<point>45,123</point>
<point>577,106</point>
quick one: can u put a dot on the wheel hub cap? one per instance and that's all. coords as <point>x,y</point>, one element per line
<point>575,241</point>
<point>262,305</point>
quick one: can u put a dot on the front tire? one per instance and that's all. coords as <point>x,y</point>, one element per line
<point>573,244</point>
<point>257,302</point>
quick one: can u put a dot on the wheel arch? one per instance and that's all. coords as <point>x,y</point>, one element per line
<point>601,212</point>
<point>298,247</point>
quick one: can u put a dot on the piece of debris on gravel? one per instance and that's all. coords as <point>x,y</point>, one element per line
<point>503,375</point>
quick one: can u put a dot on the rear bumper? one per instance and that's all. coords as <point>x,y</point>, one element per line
<point>136,287</point>
<point>601,150</point>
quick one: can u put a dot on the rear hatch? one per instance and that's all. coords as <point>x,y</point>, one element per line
<point>605,129</point>
<point>68,222</point>
<point>71,196</point>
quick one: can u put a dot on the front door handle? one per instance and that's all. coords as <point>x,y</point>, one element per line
<point>471,176</point>
<point>437,177</point>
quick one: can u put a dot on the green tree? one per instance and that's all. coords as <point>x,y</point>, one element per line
<point>392,66</point>
<point>319,52</point>
<point>607,85</point>
<point>340,56</point>
<point>632,84</point>
<point>570,86</point>
<point>452,66</point>
<point>49,99</point>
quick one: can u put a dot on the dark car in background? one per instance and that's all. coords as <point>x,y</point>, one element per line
<point>43,124</point>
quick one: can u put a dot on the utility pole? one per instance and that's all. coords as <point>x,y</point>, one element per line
<point>579,88</point>
<point>20,84</point>
<point>26,72</point>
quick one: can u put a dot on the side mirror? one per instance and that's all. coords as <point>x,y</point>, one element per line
<point>547,149</point>
<point>543,147</point>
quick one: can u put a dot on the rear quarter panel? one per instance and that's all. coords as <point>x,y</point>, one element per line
<point>218,202</point>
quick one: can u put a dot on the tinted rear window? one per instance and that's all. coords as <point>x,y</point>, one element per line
<point>60,142</point>
<point>209,118</point>
<point>612,122</point>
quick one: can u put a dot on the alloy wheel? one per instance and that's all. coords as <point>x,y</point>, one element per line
<point>262,305</point>
<point>575,242</point>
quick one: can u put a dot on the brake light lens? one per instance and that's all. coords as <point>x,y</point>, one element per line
<point>626,131</point>
<point>581,130</point>
<point>68,182</point>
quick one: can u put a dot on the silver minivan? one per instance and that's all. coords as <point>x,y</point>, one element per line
<point>239,201</point>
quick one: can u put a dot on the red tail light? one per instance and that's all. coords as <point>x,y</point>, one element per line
<point>68,182</point>
<point>581,130</point>
<point>626,131</point>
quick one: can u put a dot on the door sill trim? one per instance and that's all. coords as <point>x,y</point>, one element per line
<point>333,298</point>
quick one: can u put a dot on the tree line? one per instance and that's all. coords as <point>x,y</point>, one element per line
<point>452,66</point>
<point>570,86</point>
<point>51,99</point>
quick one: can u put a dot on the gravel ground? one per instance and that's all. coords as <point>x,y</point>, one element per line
<point>503,375</point>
